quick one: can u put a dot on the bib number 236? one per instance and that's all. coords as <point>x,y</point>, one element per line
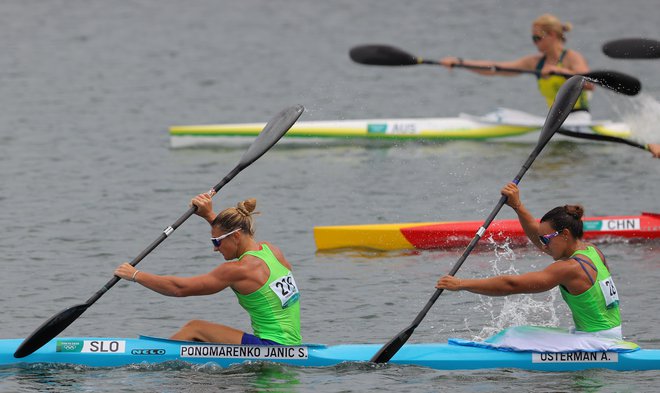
<point>286,290</point>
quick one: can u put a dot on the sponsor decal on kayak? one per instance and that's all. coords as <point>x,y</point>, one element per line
<point>392,128</point>
<point>619,224</point>
<point>576,357</point>
<point>91,346</point>
<point>376,128</point>
<point>243,351</point>
<point>148,351</point>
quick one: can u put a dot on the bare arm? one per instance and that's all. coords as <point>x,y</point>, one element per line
<point>205,284</point>
<point>533,282</point>
<point>524,63</point>
<point>654,148</point>
<point>527,220</point>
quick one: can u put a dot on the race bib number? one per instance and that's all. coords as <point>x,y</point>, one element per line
<point>286,290</point>
<point>609,291</point>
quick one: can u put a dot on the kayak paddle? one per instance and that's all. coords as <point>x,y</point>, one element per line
<point>566,98</point>
<point>385,55</point>
<point>272,132</point>
<point>633,48</point>
<point>598,137</point>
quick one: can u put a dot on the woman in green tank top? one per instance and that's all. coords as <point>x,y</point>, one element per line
<point>257,272</point>
<point>579,269</point>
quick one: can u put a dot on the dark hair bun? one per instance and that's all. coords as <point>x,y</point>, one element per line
<point>575,211</point>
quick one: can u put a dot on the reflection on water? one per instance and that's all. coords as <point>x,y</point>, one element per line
<point>169,377</point>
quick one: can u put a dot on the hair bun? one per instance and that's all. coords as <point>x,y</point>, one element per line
<point>246,207</point>
<point>575,211</point>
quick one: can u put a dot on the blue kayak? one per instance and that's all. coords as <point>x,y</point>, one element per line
<point>115,352</point>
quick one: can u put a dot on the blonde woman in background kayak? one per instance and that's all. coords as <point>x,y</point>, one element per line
<point>548,34</point>
<point>257,273</point>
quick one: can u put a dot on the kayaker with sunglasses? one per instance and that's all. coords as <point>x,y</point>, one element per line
<point>257,272</point>
<point>579,270</point>
<point>548,35</point>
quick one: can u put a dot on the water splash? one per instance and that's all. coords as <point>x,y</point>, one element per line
<point>516,310</point>
<point>641,113</point>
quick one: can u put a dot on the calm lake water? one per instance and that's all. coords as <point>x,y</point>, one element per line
<point>89,89</point>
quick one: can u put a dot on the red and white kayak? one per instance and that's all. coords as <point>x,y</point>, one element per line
<point>434,235</point>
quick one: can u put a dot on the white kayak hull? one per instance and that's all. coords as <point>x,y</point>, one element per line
<point>503,124</point>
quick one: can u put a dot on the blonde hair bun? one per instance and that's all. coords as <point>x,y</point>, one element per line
<point>550,23</point>
<point>237,217</point>
<point>246,207</point>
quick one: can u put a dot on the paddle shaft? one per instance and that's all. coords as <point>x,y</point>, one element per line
<point>385,55</point>
<point>267,138</point>
<point>612,80</point>
<point>566,97</point>
<point>515,70</point>
<point>474,241</point>
<point>164,235</point>
<point>607,138</point>
<point>389,349</point>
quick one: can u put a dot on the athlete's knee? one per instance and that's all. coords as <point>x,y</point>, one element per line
<point>194,325</point>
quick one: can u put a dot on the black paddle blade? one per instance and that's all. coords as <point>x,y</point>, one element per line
<point>633,48</point>
<point>49,329</point>
<point>272,132</point>
<point>617,81</point>
<point>566,98</point>
<point>392,347</point>
<point>383,55</point>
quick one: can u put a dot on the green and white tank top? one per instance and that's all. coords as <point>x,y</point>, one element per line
<point>275,307</point>
<point>597,308</point>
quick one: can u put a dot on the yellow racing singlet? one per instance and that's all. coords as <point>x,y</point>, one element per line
<point>549,87</point>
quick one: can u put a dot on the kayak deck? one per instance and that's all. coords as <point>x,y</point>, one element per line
<point>320,131</point>
<point>115,352</point>
<point>501,124</point>
<point>450,234</point>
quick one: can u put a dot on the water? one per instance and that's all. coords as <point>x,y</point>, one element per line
<point>88,180</point>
